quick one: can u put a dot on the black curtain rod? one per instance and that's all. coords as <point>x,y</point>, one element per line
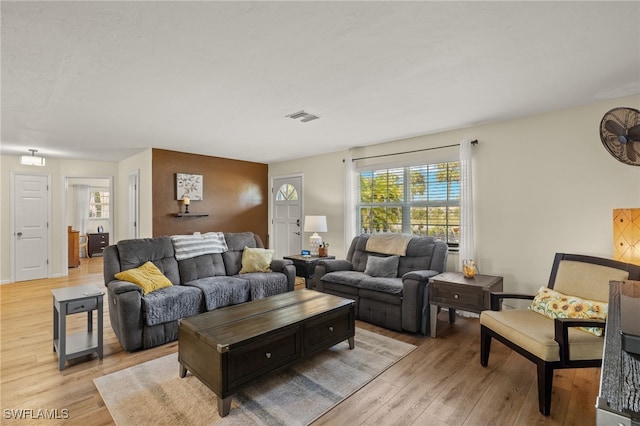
<point>473,142</point>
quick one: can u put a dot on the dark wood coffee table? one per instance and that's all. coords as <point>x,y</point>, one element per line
<point>230,347</point>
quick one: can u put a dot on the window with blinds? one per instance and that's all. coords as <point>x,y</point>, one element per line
<point>420,200</point>
<point>99,203</point>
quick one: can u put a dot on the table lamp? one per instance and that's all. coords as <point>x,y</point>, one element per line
<point>315,224</point>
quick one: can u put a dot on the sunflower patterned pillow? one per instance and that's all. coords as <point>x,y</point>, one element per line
<point>554,304</point>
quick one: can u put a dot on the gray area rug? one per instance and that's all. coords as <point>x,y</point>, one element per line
<point>152,393</point>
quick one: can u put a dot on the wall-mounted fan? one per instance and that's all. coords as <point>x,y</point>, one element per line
<point>620,134</point>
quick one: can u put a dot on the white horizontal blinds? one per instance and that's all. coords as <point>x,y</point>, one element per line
<point>381,199</point>
<point>419,197</point>
<point>435,199</point>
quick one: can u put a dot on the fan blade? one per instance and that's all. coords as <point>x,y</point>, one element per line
<point>631,153</point>
<point>614,128</point>
<point>634,133</point>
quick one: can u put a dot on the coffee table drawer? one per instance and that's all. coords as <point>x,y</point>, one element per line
<point>268,353</point>
<point>336,327</point>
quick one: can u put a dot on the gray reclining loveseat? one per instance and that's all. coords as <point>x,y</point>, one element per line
<point>200,283</point>
<point>389,290</point>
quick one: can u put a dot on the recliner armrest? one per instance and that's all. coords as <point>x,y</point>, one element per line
<point>277,265</point>
<point>497,296</point>
<point>120,287</point>
<point>331,265</point>
<point>421,275</point>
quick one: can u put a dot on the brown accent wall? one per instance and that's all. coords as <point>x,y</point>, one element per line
<point>234,195</point>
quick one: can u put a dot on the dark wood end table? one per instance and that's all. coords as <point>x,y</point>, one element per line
<point>453,291</point>
<point>306,266</point>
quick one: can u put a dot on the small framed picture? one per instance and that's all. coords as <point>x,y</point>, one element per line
<point>189,186</point>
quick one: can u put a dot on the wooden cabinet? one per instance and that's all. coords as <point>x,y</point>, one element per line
<point>74,247</point>
<point>97,243</point>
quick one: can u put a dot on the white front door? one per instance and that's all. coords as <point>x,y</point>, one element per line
<point>287,216</point>
<point>31,227</point>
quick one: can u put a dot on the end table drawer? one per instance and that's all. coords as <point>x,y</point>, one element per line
<point>82,306</point>
<point>459,296</point>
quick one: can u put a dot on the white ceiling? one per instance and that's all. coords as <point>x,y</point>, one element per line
<point>104,80</point>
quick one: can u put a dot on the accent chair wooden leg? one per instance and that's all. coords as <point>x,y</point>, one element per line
<point>545,386</point>
<point>485,346</point>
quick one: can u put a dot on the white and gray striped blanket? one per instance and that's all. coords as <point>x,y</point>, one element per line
<point>188,246</point>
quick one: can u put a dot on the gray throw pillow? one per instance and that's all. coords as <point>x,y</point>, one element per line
<point>383,267</point>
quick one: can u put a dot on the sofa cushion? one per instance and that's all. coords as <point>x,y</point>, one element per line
<point>421,253</point>
<point>237,241</point>
<point>384,285</point>
<point>134,253</point>
<point>171,303</point>
<point>207,265</point>
<point>350,278</point>
<point>256,260</point>
<point>148,277</point>
<point>362,281</point>
<point>222,291</point>
<point>265,284</point>
<point>383,267</point>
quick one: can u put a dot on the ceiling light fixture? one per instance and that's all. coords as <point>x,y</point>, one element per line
<point>303,115</point>
<point>32,160</point>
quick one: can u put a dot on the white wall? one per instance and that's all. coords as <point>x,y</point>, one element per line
<point>542,184</point>
<point>142,163</point>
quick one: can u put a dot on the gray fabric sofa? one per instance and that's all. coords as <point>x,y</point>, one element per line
<point>399,301</point>
<point>200,284</point>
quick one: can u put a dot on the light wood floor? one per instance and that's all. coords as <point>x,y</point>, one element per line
<point>440,383</point>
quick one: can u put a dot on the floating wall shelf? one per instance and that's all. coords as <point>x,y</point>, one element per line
<point>190,215</point>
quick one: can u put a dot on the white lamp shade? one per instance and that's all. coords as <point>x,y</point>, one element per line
<point>315,224</point>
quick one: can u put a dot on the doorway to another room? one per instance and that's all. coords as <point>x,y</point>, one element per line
<point>89,217</point>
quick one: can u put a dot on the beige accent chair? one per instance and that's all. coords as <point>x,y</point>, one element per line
<point>555,343</point>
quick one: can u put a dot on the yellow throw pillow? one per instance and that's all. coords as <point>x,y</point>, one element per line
<point>147,276</point>
<point>256,260</point>
<point>554,304</point>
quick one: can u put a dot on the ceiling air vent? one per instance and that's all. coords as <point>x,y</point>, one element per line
<point>304,116</point>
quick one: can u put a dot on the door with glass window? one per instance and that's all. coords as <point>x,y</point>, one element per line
<point>287,216</point>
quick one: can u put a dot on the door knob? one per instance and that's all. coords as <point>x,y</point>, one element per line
<point>297,233</point>
<point>298,222</point>
<point>19,234</point>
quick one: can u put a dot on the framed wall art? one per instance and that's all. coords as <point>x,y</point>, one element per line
<point>188,185</point>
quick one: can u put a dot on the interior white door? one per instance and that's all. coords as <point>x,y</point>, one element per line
<point>287,216</point>
<point>31,227</point>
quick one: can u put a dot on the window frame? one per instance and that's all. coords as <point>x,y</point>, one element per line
<point>406,204</point>
<point>105,207</point>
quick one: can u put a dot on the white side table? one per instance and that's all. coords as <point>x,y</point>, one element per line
<point>73,300</point>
